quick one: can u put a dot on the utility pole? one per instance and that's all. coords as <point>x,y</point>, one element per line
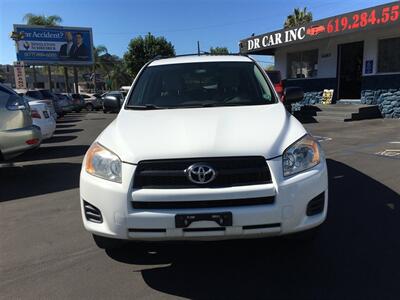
<point>49,74</point>
<point>76,87</point>
<point>34,77</point>
<point>67,89</point>
<point>198,48</point>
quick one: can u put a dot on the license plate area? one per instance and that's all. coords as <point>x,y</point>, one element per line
<point>221,218</point>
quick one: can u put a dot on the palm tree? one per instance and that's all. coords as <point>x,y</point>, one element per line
<point>32,19</point>
<point>298,17</point>
<point>100,54</point>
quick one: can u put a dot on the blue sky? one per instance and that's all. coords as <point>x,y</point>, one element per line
<point>183,22</point>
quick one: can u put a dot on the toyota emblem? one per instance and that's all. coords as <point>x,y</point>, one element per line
<point>200,173</point>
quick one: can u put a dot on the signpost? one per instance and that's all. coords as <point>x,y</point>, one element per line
<point>374,17</point>
<point>19,74</point>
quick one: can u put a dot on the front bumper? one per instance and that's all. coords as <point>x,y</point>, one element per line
<point>286,215</point>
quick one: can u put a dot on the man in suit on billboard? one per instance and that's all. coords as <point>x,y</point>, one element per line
<point>67,48</point>
<point>80,50</point>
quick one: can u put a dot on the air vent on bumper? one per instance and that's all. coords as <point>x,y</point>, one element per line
<point>92,213</point>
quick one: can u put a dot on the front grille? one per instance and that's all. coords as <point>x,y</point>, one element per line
<point>92,213</point>
<point>203,204</point>
<point>230,171</point>
<point>316,205</point>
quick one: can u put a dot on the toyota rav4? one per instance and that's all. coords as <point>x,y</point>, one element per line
<point>203,149</point>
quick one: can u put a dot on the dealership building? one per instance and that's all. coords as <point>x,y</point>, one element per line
<point>357,55</point>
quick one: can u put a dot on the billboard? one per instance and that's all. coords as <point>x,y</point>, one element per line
<point>374,17</point>
<point>42,45</point>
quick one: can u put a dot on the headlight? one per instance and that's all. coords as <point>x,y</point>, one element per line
<point>300,156</point>
<point>102,163</point>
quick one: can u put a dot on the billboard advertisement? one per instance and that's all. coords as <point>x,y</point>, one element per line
<point>41,45</point>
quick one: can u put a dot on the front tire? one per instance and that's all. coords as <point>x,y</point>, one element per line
<point>89,107</point>
<point>107,243</point>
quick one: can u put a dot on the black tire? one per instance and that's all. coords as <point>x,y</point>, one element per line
<point>89,107</point>
<point>105,110</point>
<point>107,243</point>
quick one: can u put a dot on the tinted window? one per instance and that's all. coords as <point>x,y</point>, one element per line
<point>275,77</point>
<point>388,55</point>
<point>35,94</point>
<point>201,84</point>
<point>302,64</point>
<point>46,93</point>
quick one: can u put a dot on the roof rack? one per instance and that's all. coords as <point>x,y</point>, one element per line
<point>198,54</point>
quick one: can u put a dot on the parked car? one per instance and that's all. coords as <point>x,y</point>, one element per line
<point>41,117</point>
<point>58,105</point>
<point>92,101</point>
<point>112,101</point>
<point>17,133</point>
<point>203,149</point>
<point>65,103</point>
<point>36,94</point>
<point>78,102</point>
<point>276,79</point>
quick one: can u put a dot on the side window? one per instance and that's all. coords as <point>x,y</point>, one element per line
<point>4,97</point>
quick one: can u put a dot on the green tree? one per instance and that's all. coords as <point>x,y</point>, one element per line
<point>32,19</point>
<point>119,76</point>
<point>298,17</point>
<point>142,49</point>
<point>2,75</point>
<point>219,50</point>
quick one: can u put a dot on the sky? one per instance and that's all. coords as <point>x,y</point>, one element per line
<point>215,23</point>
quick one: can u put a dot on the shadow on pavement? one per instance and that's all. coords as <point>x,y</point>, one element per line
<point>53,152</point>
<point>58,126</point>
<point>59,139</point>
<point>68,121</point>
<point>63,131</point>
<point>33,180</point>
<point>356,255</point>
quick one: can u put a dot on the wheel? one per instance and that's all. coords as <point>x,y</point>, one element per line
<point>89,107</point>
<point>107,243</point>
<point>105,110</point>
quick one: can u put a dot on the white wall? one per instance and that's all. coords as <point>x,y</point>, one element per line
<point>327,66</point>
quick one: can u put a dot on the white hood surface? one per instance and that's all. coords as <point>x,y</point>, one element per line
<point>265,130</point>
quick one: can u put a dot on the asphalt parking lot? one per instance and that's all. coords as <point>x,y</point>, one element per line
<point>46,253</point>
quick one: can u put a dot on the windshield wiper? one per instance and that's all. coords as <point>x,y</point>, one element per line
<point>145,107</point>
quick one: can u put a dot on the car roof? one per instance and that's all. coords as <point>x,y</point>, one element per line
<point>199,58</point>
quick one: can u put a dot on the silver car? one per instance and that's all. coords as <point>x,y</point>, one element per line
<point>17,134</point>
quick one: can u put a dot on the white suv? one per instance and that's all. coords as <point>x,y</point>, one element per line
<point>203,149</point>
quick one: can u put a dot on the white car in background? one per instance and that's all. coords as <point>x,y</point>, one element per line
<point>92,101</point>
<point>41,117</point>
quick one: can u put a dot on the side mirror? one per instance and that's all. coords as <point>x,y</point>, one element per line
<point>111,101</point>
<point>292,95</point>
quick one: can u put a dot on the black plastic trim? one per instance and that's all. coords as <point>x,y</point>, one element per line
<point>203,204</point>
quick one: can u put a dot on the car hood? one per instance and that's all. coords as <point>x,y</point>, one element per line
<point>265,130</point>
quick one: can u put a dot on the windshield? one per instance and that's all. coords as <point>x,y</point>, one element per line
<point>201,85</point>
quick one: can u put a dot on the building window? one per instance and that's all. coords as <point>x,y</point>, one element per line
<point>388,55</point>
<point>302,64</point>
